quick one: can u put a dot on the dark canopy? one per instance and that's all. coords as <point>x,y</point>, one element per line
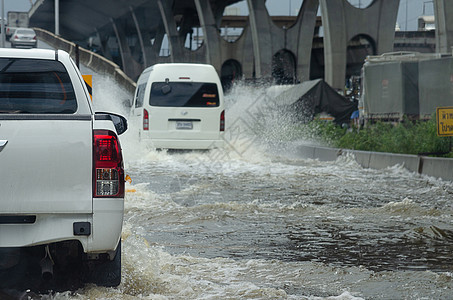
<point>312,97</point>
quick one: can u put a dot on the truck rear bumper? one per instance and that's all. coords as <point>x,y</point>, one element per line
<point>105,226</point>
<point>31,43</point>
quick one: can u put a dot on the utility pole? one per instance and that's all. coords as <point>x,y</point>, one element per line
<point>407,4</point>
<point>3,25</point>
<point>57,17</point>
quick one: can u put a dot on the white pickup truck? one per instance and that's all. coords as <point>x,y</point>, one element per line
<point>61,177</point>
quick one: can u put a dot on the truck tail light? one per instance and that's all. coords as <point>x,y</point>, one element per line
<point>145,120</point>
<point>222,121</point>
<point>108,177</point>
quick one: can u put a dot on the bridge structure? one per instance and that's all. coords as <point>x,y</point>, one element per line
<point>286,49</point>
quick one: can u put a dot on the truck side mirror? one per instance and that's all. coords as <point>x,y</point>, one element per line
<point>119,121</point>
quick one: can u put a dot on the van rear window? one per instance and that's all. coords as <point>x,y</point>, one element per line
<point>184,94</point>
<point>35,86</point>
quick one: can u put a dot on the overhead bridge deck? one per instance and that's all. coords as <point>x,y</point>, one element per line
<point>138,33</point>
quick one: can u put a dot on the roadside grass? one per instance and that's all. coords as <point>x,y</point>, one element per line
<point>407,137</point>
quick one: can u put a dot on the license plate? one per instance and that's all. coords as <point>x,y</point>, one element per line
<point>184,125</point>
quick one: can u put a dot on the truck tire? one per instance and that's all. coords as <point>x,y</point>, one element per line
<point>107,272</point>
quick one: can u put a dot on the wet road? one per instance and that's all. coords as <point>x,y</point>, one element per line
<point>255,221</point>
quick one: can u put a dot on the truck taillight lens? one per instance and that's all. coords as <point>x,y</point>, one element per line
<point>108,177</point>
<point>222,121</point>
<point>145,120</point>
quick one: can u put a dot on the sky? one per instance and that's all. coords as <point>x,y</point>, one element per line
<point>407,18</point>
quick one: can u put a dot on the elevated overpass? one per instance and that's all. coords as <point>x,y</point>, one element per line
<point>132,34</point>
<point>129,32</point>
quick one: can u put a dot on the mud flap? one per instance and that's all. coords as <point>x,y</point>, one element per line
<point>105,272</point>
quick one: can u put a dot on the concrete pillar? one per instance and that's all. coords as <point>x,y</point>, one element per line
<point>443,10</point>
<point>158,39</point>
<point>152,50</point>
<point>174,40</point>
<point>140,37</point>
<point>300,37</point>
<point>212,38</point>
<point>335,42</point>
<point>103,39</point>
<point>130,66</point>
<point>342,22</point>
<point>261,26</point>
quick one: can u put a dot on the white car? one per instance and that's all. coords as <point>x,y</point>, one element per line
<point>24,37</point>
<point>61,176</point>
<point>180,106</point>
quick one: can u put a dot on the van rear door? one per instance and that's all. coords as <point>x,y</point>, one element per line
<point>185,110</point>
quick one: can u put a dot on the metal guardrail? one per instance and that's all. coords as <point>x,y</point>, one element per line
<point>88,58</point>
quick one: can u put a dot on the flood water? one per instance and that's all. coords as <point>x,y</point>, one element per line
<point>257,221</point>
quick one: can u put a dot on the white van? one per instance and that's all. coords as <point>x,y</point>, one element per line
<point>180,106</point>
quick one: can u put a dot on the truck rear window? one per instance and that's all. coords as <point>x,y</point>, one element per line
<point>184,94</point>
<point>35,86</point>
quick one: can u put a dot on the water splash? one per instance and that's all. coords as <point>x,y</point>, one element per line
<point>244,202</point>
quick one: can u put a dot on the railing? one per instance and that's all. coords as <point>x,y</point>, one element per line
<point>90,59</point>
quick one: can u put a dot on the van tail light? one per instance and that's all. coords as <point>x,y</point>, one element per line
<point>145,120</point>
<point>222,121</point>
<point>108,177</point>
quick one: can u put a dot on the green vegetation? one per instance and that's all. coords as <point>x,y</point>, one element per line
<point>408,137</point>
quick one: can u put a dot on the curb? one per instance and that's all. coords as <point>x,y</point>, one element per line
<point>436,167</point>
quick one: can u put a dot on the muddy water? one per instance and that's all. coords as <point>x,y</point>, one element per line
<point>255,221</point>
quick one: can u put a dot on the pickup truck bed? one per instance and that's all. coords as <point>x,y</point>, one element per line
<point>61,177</point>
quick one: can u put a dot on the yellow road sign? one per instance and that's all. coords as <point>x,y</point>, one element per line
<point>444,121</point>
<point>89,83</point>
